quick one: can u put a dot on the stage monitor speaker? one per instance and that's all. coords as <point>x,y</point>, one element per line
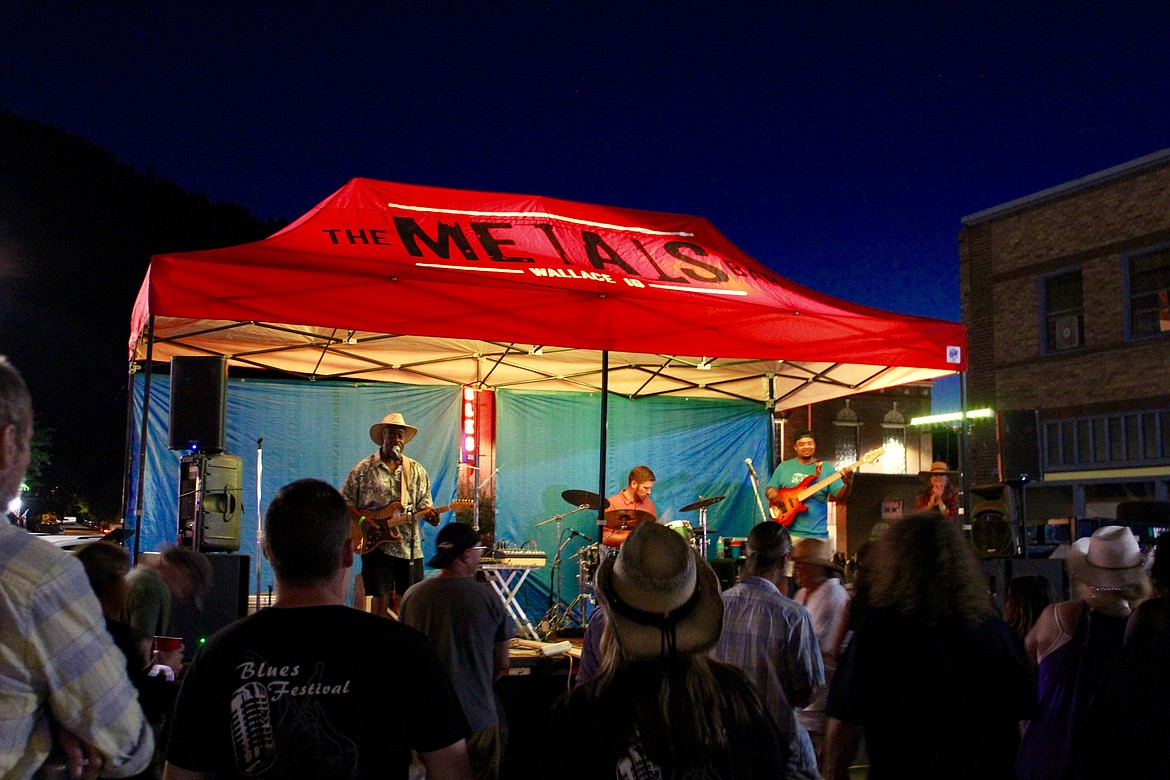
<point>1019,445</point>
<point>198,403</point>
<point>210,506</point>
<point>226,602</point>
<point>1052,569</point>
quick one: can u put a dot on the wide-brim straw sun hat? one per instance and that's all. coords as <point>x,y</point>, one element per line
<point>938,469</point>
<point>818,552</point>
<point>394,418</point>
<point>660,596</point>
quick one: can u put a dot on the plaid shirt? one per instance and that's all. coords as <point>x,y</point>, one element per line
<point>58,663</point>
<point>771,638</point>
<point>372,484</point>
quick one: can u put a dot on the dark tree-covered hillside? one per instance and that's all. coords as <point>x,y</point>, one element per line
<point>77,230</point>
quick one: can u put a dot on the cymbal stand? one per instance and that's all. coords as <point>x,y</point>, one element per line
<point>555,614</point>
<point>703,532</point>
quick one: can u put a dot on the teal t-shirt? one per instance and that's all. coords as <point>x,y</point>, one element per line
<point>814,522</point>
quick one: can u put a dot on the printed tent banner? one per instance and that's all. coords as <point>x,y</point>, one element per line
<point>421,285</point>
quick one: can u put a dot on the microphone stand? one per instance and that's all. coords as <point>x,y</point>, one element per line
<point>756,492</point>
<point>553,617</point>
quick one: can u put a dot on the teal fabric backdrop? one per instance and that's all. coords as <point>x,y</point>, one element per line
<point>310,429</point>
<point>548,443</point>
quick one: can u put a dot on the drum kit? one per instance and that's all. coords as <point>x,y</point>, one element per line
<point>618,525</point>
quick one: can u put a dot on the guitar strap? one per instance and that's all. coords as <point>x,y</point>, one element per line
<point>404,496</point>
<point>817,475</point>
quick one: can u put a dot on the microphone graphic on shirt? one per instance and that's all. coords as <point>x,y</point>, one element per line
<point>252,735</point>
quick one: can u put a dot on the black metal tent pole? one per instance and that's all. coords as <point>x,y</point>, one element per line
<point>142,436</point>
<point>964,452</point>
<point>601,459</point>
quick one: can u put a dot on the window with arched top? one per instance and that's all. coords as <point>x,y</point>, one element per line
<point>894,441</point>
<point>846,435</point>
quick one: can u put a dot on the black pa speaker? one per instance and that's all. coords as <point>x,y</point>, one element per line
<point>210,508</point>
<point>1019,445</point>
<point>226,602</point>
<point>198,403</point>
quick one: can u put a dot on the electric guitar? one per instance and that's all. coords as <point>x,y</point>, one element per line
<point>371,529</point>
<point>788,501</point>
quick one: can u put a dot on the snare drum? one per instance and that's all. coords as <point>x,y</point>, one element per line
<point>683,529</point>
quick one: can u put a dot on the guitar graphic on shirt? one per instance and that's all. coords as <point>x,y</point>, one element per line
<point>788,502</point>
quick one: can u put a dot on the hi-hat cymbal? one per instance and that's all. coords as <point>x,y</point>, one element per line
<point>582,498</point>
<point>626,518</point>
<point>702,502</point>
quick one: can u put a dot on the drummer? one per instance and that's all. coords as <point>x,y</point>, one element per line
<point>636,494</point>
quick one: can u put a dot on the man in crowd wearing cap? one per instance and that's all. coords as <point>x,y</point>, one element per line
<point>771,638</point>
<point>175,574</point>
<point>310,687</point>
<point>470,631</point>
<point>59,670</point>
<point>812,522</point>
<point>941,495</point>
<point>827,602</point>
<point>385,478</point>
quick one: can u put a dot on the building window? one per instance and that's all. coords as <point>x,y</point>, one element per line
<point>894,442</point>
<point>1064,311</point>
<point>1148,278</point>
<point>846,435</point>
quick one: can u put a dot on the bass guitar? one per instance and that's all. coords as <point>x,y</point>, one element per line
<point>788,502</point>
<point>371,529</point>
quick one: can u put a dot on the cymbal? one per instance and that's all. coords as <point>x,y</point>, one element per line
<point>582,498</point>
<point>626,518</point>
<point>702,502</point>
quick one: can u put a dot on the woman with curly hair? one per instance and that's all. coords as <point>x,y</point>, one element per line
<point>933,676</point>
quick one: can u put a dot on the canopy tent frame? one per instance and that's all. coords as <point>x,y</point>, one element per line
<point>560,295</point>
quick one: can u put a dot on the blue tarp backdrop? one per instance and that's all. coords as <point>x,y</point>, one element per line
<point>545,443</point>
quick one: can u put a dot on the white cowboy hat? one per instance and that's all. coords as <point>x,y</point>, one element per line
<point>658,586</point>
<point>394,418</point>
<point>1110,558</point>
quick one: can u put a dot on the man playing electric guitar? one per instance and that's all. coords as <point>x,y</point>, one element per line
<point>375,483</point>
<point>813,522</point>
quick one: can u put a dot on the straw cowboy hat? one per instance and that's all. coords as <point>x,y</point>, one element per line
<point>660,595</point>
<point>1110,558</point>
<point>394,418</point>
<point>818,552</point>
<point>937,469</point>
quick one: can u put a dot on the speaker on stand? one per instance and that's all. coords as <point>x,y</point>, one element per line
<point>1016,433</point>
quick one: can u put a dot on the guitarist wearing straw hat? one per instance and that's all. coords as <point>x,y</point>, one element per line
<point>387,479</point>
<point>812,520</point>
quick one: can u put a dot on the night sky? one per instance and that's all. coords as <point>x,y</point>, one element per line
<point>839,144</point>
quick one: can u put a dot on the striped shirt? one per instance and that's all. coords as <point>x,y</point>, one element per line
<point>58,664</point>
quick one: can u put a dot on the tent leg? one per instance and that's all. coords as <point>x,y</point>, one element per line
<point>142,439</point>
<point>603,443</point>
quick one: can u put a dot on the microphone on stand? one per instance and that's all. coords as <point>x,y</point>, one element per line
<point>573,532</point>
<point>751,468</point>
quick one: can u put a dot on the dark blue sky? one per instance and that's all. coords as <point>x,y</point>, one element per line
<point>840,144</point>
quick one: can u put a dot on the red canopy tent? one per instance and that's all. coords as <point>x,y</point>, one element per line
<point>396,282</point>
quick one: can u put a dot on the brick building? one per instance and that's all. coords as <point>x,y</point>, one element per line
<point>1065,297</point>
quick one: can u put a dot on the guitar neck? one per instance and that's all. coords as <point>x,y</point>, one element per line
<point>811,489</point>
